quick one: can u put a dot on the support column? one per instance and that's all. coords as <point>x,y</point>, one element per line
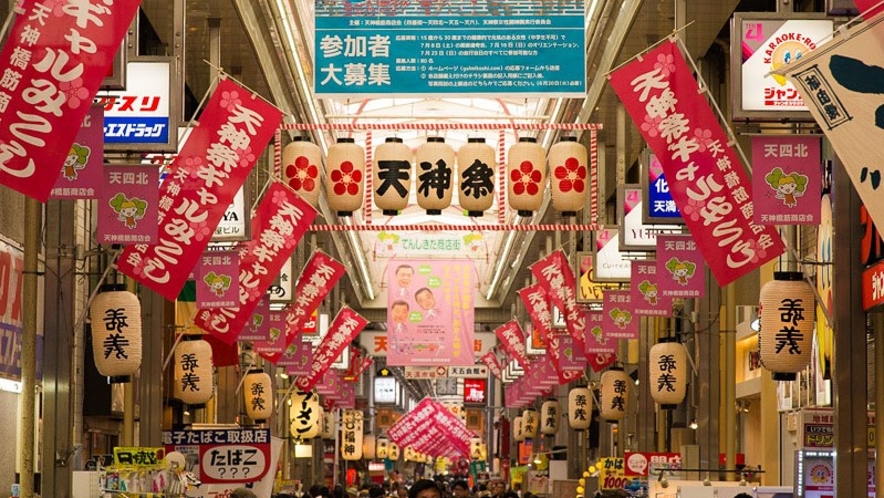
<point>709,372</point>
<point>730,381</point>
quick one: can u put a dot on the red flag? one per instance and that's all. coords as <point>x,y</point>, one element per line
<point>345,327</point>
<point>513,341</point>
<point>317,279</point>
<point>554,274</point>
<point>490,360</point>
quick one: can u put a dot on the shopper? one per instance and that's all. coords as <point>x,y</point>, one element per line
<point>425,488</point>
<point>243,493</point>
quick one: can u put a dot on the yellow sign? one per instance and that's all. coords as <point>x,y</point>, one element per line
<point>612,473</point>
<point>138,456</point>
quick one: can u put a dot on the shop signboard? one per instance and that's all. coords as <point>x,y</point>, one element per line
<point>634,233</point>
<point>11,282</point>
<point>376,342</point>
<point>609,262</point>
<point>455,48</point>
<point>658,204</point>
<point>223,455</point>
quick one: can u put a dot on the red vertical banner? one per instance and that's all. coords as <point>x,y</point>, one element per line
<point>707,181</point>
<point>279,223</point>
<point>554,274</point>
<point>513,341</point>
<point>345,327</point>
<point>317,279</point>
<point>490,360</point>
<point>52,65</point>
<point>221,150</point>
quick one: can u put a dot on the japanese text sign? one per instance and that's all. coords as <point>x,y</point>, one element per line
<point>787,179</point>
<point>345,327</point>
<point>554,274</point>
<point>217,280</point>
<point>52,65</point>
<point>83,166</point>
<point>618,319</point>
<point>493,364</point>
<point>513,341</point>
<point>707,181</point>
<point>224,455</point>
<point>646,297</point>
<point>127,204</point>
<point>597,339</point>
<point>680,267</point>
<point>214,162</point>
<point>317,279</point>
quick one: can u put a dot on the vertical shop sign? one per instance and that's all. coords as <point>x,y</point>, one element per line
<point>513,341</point>
<point>84,163</point>
<point>214,162</point>
<point>646,298</point>
<point>618,318</point>
<point>707,180</point>
<point>279,223</point>
<point>786,179</point>
<point>52,66</point>
<point>345,327</point>
<point>127,205</point>
<point>680,267</point>
<point>554,274</point>
<point>217,280</point>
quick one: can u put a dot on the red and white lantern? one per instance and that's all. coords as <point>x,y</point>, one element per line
<point>526,171</point>
<point>476,169</point>
<point>435,170</point>
<point>258,392</point>
<point>787,312</point>
<point>194,372</point>
<point>345,175</point>
<point>301,163</point>
<point>392,176</point>
<point>116,332</point>
<point>668,370</point>
<point>614,394</point>
<point>569,174</point>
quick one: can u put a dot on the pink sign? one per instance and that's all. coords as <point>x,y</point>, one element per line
<point>297,358</point>
<point>234,128</point>
<point>618,319</point>
<point>278,224</point>
<point>52,65</point>
<point>345,327</point>
<point>787,178</point>
<point>217,280</point>
<point>647,300</point>
<point>601,361</point>
<point>253,328</point>
<point>127,205</point>
<point>597,340</point>
<point>317,279</point>
<point>272,334</point>
<point>554,274</point>
<point>680,267</point>
<point>80,176</point>
<point>535,299</point>
<point>512,339</point>
<point>490,360</point>
<point>430,313</point>
<point>707,181</point>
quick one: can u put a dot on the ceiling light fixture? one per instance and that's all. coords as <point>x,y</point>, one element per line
<point>694,425</point>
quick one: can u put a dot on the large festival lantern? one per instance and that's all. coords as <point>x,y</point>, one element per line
<point>392,451</point>
<point>526,171</point>
<point>668,372</point>
<point>329,427</point>
<point>345,175</point>
<point>579,408</point>
<point>301,163</point>
<point>369,447</point>
<point>476,448</point>
<point>518,429</point>
<point>305,415</point>
<point>258,392</point>
<point>382,448</point>
<point>434,163</point>
<point>614,394</point>
<point>476,167</point>
<point>392,176</point>
<point>116,332</point>
<point>787,312</point>
<point>351,435</point>
<point>193,377</point>
<point>530,422</point>
<point>549,417</point>
<point>569,176</point>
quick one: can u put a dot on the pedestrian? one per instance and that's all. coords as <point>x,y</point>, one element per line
<point>425,488</point>
<point>243,493</point>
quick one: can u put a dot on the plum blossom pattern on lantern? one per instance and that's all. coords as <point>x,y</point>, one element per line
<point>572,175</point>
<point>302,175</point>
<point>526,179</point>
<point>346,179</point>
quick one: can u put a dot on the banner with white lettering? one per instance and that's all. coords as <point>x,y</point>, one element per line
<point>554,274</point>
<point>317,279</point>
<point>279,223</point>
<point>512,339</point>
<point>708,183</point>
<point>345,327</point>
<point>493,364</point>
<point>219,153</point>
<point>52,64</point>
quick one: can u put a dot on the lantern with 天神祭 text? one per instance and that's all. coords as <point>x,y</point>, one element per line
<point>194,372</point>
<point>787,312</point>
<point>579,408</point>
<point>476,167</point>
<point>345,175</point>
<point>526,176</point>
<point>668,372</point>
<point>434,162</point>
<point>569,177</point>
<point>351,435</point>
<point>258,393</point>
<point>614,394</point>
<point>392,176</point>
<point>116,332</point>
<point>549,417</point>
<point>301,163</point>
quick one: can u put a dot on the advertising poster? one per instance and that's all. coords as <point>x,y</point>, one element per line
<point>430,312</point>
<point>217,280</point>
<point>618,318</point>
<point>647,300</point>
<point>81,174</point>
<point>127,205</point>
<point>786,179</point>
<point>680,270</point>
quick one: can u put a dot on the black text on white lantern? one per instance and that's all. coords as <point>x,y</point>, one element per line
<point>258,391</point>
<point>530,423</point>
<point>434,162</point>
<point>668,368</point>
<point>569,177</point>
<point>614,394</point>
<point>476,167</point>
<point>369,447</point>
<point>382,447</point>
<point>301,162</point>
<point>345,175</point>
<point>579,408</point>
<point>193,378</point>
<point>410,455</point>
<point>393,451</point>
<point>305,415</point>
<point>116,332</point>
<point>787,312</point>
<point>518,429</point>
<point>329,427</point>
<point>392,176</point>
<point>526,176</point>
<point>351,435</point>
<point>475,448</point>
<point>549,417</point>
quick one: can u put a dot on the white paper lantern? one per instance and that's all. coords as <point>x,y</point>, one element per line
<point>410,455</point>
<point>116,332</point>
<point>351,435</point>
<point>787,312</point>
<point>530,423</point>
<point>382,447</point>
<point>329,427</point>
<point>305,415</point>
<point>258,392</point>
<point>526,175</point>
<point>518,429</point>
<point>668,367</point>
<point>369,447</point>
<point>345,176</point>
<point>476,169</point>
<point>392,176</point>
<point>434,163</point>
<point>301,163</point>
<point>194,372</point>
<point>392,451</point>
<point>579,408</point>
<point>614,394</point>
<point>549,417</point>
<point>569,176</point>
<point>475,448</point>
